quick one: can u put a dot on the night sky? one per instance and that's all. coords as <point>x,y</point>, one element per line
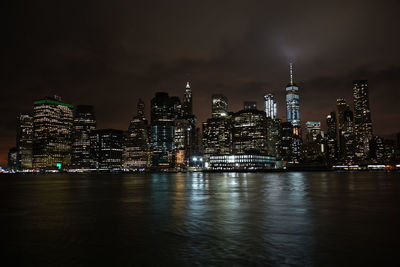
<point>110,53</point>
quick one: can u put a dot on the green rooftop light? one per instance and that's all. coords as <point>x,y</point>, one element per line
<point>52,102</point>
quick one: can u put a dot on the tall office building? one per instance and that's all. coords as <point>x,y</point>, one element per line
<point>137,152</point>
<point>217,136</point>
<point>270,106</point>
<point>342,107</point>
<point>331,136</point>
<point>274,136</point>
<point>313,129</point>
<point>292,101</point>
<point>187,101</point>
<point>84,124</point>
<point>347,137</point>
<point>24,142</point>
<point>249,132</point>
<point>293,115</point>
<point>12,159</point>
<point>162,130</point>
<point>287,142</point>
<point>219,106</point>
<point>106,149</point>
<point>52,133</point>
<point>362,119</point>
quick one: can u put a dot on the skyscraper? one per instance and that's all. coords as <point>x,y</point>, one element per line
<point>274,136</point>
<point>106,149</point>
<point>287,142</point>
<point>136,152</point>
<point>84,124</point>
<point>292,101</point>
<point>313,129</point>
<point>219,106</point>
<point>162,130</point>
<point>52,133</point>
<point>24,142</point>
<point>331,136</point>
<point>270,106</point>
<point>249,132</point>
<point>362,119</point>
<point>293,115</point>
<point>187,101</point>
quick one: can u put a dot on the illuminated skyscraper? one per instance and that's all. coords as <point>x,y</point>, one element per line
<point>187,101</point>
<point>270,106</point>
<point>249,132</point>
<point>274,136</point>
<point>362,119</point>
<point>52,133</point>
<point>331,136</point>
<point>24,142</point>
<point>84,124</point>
<point>162,130</point>
<point>136,152</point>
<point>293,115</point>
<point>106,149</point>
<point>292,101</point>
<point>219,106</point>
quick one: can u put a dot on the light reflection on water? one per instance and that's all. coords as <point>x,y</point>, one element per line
<point>201,218</point>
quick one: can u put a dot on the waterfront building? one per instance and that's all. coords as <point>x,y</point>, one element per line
<point>136,150</point>
<point>362,119</point>
<point>287,142</point>
<point>377,149</point>
<point>13,159</point>
<point>331,136</point>
<point>270,107</point>
<point>24,142</point>
<point>106,149</point>
<point>52,133</point>
<point>274,136</point>
<point>292,101</point>
<point>84,123</point>
<point>249,132</point>
<point>219,106</point>
<point>163,114</point>
<point>347,135</point>
<point>241,162</point>
<point>217,136</point>
<point>293,116</point>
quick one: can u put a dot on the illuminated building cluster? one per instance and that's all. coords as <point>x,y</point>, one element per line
<point>60,136</point>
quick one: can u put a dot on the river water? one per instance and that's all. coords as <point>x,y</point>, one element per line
<point>224,219</point>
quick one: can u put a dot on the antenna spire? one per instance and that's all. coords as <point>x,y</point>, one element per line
<point>291,73</point>
<point>187,85</point>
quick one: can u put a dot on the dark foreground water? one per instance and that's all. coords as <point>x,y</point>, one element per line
<point>200,219</point>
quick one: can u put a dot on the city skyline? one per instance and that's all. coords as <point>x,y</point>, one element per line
<point>110,65</point>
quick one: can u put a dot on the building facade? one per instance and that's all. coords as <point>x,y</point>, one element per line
<point>362,119</point>
<point>163,113</point>
<point>137,153</point>
<point>270,106</point>
<point>84,124</point>
<point>52,133</point>
<point>24,142</point>
<point>106,149</point>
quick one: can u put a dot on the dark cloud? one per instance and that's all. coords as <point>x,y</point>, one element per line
<point>110,53</point>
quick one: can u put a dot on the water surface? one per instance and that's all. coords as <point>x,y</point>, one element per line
<point>316,218</point>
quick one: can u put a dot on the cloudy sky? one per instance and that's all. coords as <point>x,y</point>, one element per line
<point>110,53</point>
